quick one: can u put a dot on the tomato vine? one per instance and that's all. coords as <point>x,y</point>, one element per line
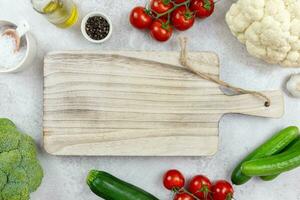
<point>161,16</point>
<point>175,6</point>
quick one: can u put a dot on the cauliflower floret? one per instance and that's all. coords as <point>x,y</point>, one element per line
<point>270,29</point>
<point>20,171</point>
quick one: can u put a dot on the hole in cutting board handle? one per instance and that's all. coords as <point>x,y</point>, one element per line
<point>229,92</point>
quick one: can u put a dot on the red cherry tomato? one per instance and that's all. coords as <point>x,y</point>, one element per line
<point>183,196</point>
<point>140,18</point>
<point>161,6</point>
<point>222,190</point>
<point>173,179</point>
<point>161,30</point>
<point>182,18</point>
<point>200,186</point>
<point>202,8</point>
<point>179,1</point>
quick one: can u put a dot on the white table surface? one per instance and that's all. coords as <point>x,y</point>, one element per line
<point>21,101</point>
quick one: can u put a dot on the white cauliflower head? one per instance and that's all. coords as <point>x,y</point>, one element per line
<point>270,29</point>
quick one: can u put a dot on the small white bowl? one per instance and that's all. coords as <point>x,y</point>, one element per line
<point>31,49</point>
<point>83,23</point>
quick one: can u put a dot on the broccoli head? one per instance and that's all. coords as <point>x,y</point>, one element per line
<point>20,171</point>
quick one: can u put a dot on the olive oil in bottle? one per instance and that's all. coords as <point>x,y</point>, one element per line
<point>62,13</point>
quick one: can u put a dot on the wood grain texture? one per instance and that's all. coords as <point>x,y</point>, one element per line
<point>137,104</point>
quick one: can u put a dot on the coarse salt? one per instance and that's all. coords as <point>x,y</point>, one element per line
<point>8,57</point>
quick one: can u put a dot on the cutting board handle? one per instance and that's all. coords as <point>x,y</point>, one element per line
<point>252,105</point>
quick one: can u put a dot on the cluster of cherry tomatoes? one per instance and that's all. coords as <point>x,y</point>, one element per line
<point>199,187</point>
<point>163,15</point>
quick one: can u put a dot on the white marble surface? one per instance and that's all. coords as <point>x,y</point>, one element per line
<point>21,101</point>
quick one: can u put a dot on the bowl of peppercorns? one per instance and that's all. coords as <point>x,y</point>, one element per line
<point>96,27</point>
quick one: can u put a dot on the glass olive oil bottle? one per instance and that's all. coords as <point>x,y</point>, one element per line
<point>62,13</point>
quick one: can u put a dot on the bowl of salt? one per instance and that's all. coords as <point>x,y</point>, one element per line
<point>15,56</point>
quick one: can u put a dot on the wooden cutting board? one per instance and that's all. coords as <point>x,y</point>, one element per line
<point>138,103</point>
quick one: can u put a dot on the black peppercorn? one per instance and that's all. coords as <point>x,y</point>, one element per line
<point>97,27</point>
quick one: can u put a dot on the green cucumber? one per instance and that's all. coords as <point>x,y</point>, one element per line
<point>274,145</point>
<point>272,165</point>
<point>269,178</point>
<point>109,187</point>
<point>289,147</point>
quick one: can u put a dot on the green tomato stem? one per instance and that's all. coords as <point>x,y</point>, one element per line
<point>186,191</point>
<point>172,9</point>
